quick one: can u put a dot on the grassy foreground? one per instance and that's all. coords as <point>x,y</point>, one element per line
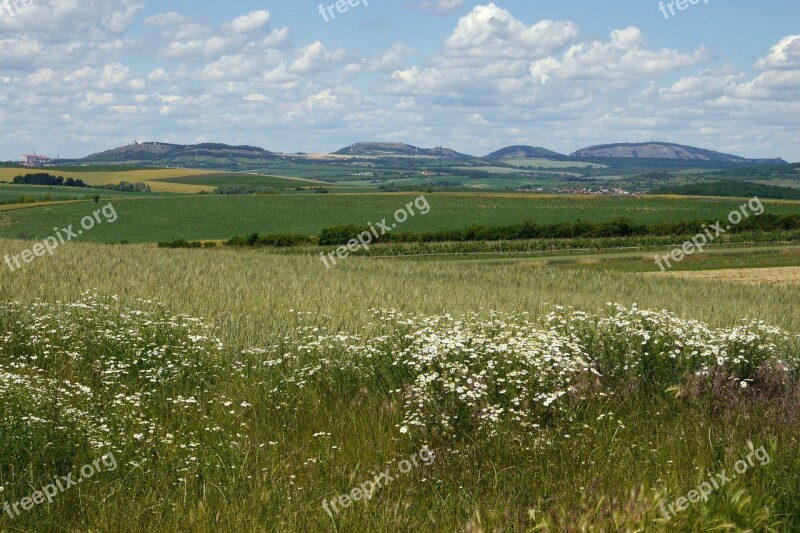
<point>254,434</point>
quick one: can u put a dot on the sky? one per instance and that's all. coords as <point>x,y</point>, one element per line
<point>82,76</point>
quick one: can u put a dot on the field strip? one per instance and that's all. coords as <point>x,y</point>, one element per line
<point>292,178</point>
<point>768,275</point>
<point>17,207</point>
<point>597,251</point>
<point>773,201</point>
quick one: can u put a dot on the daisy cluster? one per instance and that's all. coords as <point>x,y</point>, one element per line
<point>473,375</point>
<point>95,377</point>
<point>657,347</point>
<point>90,375</point>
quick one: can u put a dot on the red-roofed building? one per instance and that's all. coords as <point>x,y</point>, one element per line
<point>33,160</point>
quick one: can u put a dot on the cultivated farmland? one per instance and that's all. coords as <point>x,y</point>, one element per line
<point>221,217</point>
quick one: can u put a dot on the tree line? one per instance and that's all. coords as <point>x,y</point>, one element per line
<point>620,227</point>
<point>44,178</point>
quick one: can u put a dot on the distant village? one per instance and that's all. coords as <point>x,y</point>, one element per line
<point>35,160</point>
<point>601,191</point>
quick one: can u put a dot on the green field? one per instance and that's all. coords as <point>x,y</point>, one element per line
<point>334,172</point>
<point>220,217</point>
<point>222,179</point>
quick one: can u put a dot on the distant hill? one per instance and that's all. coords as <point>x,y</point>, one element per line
<point>398,149</point>
<point>199,155</point>
<point>741,189</point>
<point>523,152</point>
<point>659,150</point>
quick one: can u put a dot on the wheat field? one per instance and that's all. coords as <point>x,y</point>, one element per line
<point>298,401</point>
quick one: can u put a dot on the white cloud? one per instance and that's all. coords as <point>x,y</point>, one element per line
<point>315,58</point>
<point>783,56</point>
<point>166,19</point>
<point>487,55</point>
<point>187,40</point>
<point>495,79</point>
<point>489,31</point>
<point>391,59</point>
<point>249,23</point>
<point>65,20</point>
<point>623,57</point>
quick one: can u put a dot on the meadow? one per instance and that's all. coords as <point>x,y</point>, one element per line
<point>288,392</point>
<point>242,389</point>
<point>222,217</point>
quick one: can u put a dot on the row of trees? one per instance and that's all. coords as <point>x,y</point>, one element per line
<point>766,224</point>
<point>59,181</point>
<point>620,227</point>
<point>48,179</point>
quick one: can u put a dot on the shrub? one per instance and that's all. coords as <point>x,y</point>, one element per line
<point>278,240</point>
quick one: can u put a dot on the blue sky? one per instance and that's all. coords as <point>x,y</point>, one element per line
<point>81,76</point>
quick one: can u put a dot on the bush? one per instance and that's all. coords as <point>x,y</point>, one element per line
<point>179,243</point>
<point>126,186</point>
<point>339,235</point>
<point>278,240</point>
<point>244,189</point>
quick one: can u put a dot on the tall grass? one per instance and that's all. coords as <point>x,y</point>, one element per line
<point>309,404</point>
<point>249,293</point>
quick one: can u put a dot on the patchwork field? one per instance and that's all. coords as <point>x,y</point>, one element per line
<point>222,217</point>
<point>157,179</point>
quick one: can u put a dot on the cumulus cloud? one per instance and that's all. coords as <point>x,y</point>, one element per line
<point>493,78</point>
<point>189,40</point>
<point>730,88</point>
<point>492,32</point>
<point>623,57</point>
<point>487,55</point>
<point>249,23</point>
<point>65,20</point>
<point>389,60</point>
<point>783,56</point>
<point>315,58</point>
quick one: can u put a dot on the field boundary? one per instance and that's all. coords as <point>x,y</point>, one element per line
<point>570,250</point>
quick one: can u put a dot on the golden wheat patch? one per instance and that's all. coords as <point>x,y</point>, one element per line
<point>773,276</point>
